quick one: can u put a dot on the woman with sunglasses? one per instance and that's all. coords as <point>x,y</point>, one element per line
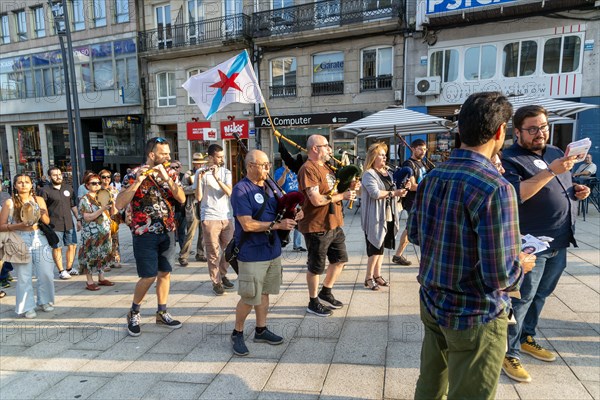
<point>41,258</point>
<point>115,255</point>
<point>96,243</point>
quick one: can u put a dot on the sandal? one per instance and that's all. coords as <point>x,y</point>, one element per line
<point>105,282</point>
<point>92,286</point>
<point>380,281</point>
<point>371,284</point>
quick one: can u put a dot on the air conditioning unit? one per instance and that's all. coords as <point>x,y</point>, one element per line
<point>429,85</point>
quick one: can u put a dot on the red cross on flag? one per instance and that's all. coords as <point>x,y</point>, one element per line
<point>232,81</point>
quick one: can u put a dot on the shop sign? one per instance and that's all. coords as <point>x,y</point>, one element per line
<point>229,128</point>
<point>196,130</point>
<point>442,6</point>
<point>556,86</point>
<point>309,119</point>
<point>114,123</point>
<point>97,155</point>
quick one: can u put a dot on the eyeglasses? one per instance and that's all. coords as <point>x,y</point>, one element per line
<point>94,183</point>
<point>266,165</point>
<point>322,145</point>
<point>533,130</point>
<point>176,166</point>
<point>105,176</point>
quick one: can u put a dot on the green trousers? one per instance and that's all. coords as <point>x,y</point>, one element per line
<point>461,364</point>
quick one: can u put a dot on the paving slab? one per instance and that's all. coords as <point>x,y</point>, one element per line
<point>368,349</point>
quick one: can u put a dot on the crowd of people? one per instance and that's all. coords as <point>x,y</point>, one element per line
<point>480,294</point>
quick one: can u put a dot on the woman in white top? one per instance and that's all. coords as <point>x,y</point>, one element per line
<point>41,254</point>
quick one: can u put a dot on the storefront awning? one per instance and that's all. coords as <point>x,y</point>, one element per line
<point>562,108</point>
<point>399,120</point>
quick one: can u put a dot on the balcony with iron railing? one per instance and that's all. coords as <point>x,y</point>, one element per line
<point>206,32</point>
<point>376,83</point>
<point>282,91</point>
<point>327,88</point>
<point>322,14</point>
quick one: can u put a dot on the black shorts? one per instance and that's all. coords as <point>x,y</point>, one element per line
<point>330,244</point>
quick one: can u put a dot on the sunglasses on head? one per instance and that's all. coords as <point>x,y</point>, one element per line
<point>160,140</point>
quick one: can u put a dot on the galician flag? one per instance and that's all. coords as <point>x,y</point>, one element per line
<point>232,81</point>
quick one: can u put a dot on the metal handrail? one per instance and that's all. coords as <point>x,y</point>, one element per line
<point>321,14</point>
<point>213,30</point>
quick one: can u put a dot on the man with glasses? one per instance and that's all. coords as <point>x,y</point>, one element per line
<point>150,198</point>
<point>547,207</point>
<point>322,225</point>
<point>60,200</point>
<point>213,189</point>
<point>255,209</point>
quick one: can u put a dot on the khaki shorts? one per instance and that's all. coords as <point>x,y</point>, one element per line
<point>258,278</point>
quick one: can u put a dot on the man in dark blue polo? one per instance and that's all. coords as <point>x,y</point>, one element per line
<point>547,207</point>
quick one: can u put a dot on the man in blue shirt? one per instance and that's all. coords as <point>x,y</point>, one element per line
<point>465,220</point>
<point>254,204</point>
<point>547,207</point>
<point>288,180</point>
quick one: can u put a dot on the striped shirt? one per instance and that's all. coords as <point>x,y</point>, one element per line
<point>466,221</point>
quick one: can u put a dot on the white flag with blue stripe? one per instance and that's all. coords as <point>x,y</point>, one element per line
<point>232,81</point>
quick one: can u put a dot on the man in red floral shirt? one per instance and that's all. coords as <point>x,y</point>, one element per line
<point>150,194</point>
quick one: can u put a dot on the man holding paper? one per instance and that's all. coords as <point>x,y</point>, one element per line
<point>547,207</point>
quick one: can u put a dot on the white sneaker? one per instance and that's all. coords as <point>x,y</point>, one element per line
<point>64,275</point>
<point>47,307</point>
<point>73,272</point>
<point>30,314</point>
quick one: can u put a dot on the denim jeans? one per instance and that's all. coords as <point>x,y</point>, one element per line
<point>42,266</point>
<point>6,268</point>
<point>297,239</point>
<point>537,286</point>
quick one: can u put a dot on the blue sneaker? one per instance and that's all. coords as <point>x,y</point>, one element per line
<point>239,346</point>
<point>267,337</point>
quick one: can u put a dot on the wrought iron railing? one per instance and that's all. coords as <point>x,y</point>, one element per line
<point>322,14</point>
<point>282,91</point>
<point>375,83</point>
<point>233,27</point>
<point>327,88</point>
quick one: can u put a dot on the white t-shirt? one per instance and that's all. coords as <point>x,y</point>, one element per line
<point>215,204</point>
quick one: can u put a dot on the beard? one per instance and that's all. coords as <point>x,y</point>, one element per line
<point>534,145</point>
<point>56,182</point>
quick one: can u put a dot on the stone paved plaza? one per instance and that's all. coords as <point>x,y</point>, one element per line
<point>368,349</point>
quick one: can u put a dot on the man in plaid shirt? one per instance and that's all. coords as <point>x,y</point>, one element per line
<point>465,220</point>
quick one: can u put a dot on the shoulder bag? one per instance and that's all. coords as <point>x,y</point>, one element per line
<point>13,248</point>
<point>232,249</point>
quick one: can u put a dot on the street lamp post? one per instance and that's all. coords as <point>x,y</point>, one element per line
<point>61,23</point>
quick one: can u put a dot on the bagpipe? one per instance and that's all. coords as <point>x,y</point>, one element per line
<point>344,174</point>
<point>288,204</point>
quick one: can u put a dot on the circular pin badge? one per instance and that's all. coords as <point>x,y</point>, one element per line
<point>259,198</point>
<point>66,193</point>
<point>541,164</point>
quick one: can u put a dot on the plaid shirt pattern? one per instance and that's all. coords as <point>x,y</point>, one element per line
<point>465,219</point>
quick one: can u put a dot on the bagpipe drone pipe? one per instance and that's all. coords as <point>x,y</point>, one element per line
<point>288,204</point>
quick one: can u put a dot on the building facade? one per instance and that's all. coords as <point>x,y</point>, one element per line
<point>521,48</point>
<point>34,122</point>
